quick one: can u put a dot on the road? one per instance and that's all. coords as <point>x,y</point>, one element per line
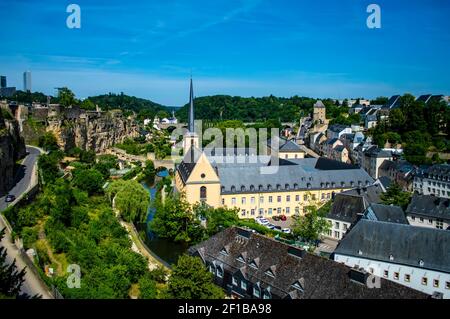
<point>24,178</point>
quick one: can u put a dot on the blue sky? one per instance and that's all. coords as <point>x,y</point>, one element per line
<point>319,48</point>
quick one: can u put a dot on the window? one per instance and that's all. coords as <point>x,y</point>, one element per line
<point>424,281</point>
<point>220,272</point>
<point>413,218</point>
<point>439,224</point>
<point>305,197</point>
<point>203,193</point>
<point>288,210</point>
<point>447,285</point>
<point>386,274</point>
<point>323,196</point>
<point>223,201</point>
<point>270,211</point>
<point>436,283</point>
<point>252,200</point>
<point>279,199</point>
<point>336,225</point>
<point>243,200</point>
<point>234,281</point>
<point>297,198</point>
<point>421,219</point>
<point>407,277</point>
<point>261,199</point>
<point>243,285</point>
<point>344,226</point>
<point>278,210</point>
<point>243,212</point>
<point>270,199</point>
<point>233,201</point>
<point>313,196</point>
<point>252,212</point>
<point>288,198</point>
<point>256,292</point>
<point>297,210</point>
<point>336,234</point>
<point>396,275</point>
<point>430,221</point>
<point>266,295</point>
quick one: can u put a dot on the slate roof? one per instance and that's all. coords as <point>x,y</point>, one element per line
<point>285,145</point>
<point>253,179</point>
<point>337,128</point>
<point>385,181</point>
<point>316,276</point>
<point>440,171</point>
<point>393,102</point>
<point>319,104</point>
<point>429,206</point>
<point>339,148</point>
<point>350,205</point>
<point>385,213</point>
<point>408,245</point>
<point>375,151</point>
<point>424,98</point>
<point>188,163</point>
<point>332,141</point>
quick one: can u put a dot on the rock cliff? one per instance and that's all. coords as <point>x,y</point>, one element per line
<point>12,148</point>
<point>95,131</point>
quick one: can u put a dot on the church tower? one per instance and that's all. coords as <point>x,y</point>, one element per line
<point>190,139</point>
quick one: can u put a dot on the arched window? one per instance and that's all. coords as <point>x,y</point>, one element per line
<point>252,188</point>
<point>260,187</point>
<point>233,188</point>
<point>203,193</point>
<point>242,188</point>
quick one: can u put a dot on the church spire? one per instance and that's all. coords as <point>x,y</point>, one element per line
<point>191,109</point>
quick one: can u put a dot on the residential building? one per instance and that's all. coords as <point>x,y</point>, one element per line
<point>384,182</point>
<point>3,82</point>
<point>251,266</point>
<point>7,91</point>
<point>429,211</point>
<point>399,171</point>
<point>372,159</point>
<point>27,81</point>
<point>286,149</point>
<point>370,121</point>
<point>337,130</point>
<point>416,257</point>
<point>434,180</point>
<point>348,208</point>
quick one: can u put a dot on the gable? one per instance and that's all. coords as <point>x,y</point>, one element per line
<point>203,172</point>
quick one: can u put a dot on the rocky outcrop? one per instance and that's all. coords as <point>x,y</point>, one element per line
<point>95,131</point>
<point>12,148</point>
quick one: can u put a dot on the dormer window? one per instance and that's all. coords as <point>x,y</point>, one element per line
<point>278,186</point>
<point>254,263</point>
<point>391,257</point>
<point>269,187</point>
<point>260,187</point>
<point>257,291</point>
<point>421,263</point>
<point>267,294</point>
<point>225,250</point>
<point>299,285</point>
<point>252,187</point>
<point>241,257</point>
<point>233,188</point>
<point>219,271</point>
<point>242,188</point>
<point>222,189</point>
<point>308,185</point>
<point>271,271</point>
<point>286,186</point>
<point>295,186</point>
<point>342,184</point>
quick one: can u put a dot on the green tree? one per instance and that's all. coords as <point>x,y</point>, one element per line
<point>87,105</point>
<point>66,97</point>
<point>311,225</point>
<point>89,180</point>
<point>87,157</point>
<point>395,196</point>
<point>149,170</point>
<point>48,142</point>
<point>147,287</point>
<point>11,279</point>
<point>130,198</point>
<point>191,280</point>
<point>217,219</point>
<point>175,220</point>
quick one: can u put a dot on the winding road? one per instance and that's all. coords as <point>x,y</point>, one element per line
<point>25,178</point>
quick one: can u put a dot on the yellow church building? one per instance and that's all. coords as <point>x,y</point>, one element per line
<point>280,183</point>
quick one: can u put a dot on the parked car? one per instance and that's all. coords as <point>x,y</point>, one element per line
<point>286,230</point>
<point>283,217</point>
<point>276,218</point>
<point>270,226</point>
<point>10,198</point>
<point>277,227</point>
<point>262,221</point>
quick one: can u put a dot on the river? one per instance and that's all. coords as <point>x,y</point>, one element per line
<point>166,250</point>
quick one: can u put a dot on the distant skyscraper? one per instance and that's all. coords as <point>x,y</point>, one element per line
<point>27,81</point>
<point>2,81</point>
